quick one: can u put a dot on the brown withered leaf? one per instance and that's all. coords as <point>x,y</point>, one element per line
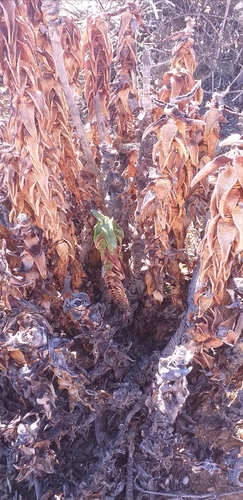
<point>210,167</point>
<point>210,235</point>
<point>126,19</point>
<point>213,343</point>
<point>40,262</point>
<point>163,189</point>
<point>225,182</point>
<point>10,19</point>
<point>184,56</point>
<point>228,202</point>
<point>17,355</point>
<point>27,115</point>
<point>167,135</point>
<point>226,233</point>
<point>204,359</point>
<point>193,152</point>
<point>201,331</point>
<point>181,148</point>
<point>154,126</point>
<point>237,215</point>
<point>177,81</point>
<point>39,103</point>
<point>238,327</point>
<point>211,120</point>
<point>238,166</point>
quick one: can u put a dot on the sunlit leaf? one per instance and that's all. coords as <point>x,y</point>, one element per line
<point>209,168</point>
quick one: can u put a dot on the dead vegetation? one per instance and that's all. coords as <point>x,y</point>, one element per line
<point>121,251</point>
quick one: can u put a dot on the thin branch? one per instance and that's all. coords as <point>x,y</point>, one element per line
<point>156,15</point>
<point>221,34</point>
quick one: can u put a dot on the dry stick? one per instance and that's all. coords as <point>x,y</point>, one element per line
<point>51,9</point>
<point>102,135</point>
<point>156,15</point>
<point>181,333</point>
<point>146,100</point>
<point>101,5</point>
<point>221,34</point>
<point>241,92</point>
<point>238,57</point>
<point>100,119</point>
<point>129,468</point>
<point>131,450</point>
<point>185,496</point>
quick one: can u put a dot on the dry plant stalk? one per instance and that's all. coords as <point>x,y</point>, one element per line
<point>218,318</point>
<point>40,150</point>
<point>50,10</point>
<point>96,61</point>
<point>176,157</point>
<point>185,142</point>
<point>125,99</point>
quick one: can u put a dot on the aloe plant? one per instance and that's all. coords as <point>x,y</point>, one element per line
<point>108,236</point>
<point>107,233</point>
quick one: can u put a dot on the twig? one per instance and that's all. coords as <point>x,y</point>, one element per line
<point>180,496</point>
<point>146,100</point>
<point>156,15</point>
<point>129,468</point>
<point>240,93</point>
<point>228,91</point>
<point>101,5</point>
<point>221,34</point>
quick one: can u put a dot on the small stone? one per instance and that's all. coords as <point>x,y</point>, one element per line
<point>185,480</point>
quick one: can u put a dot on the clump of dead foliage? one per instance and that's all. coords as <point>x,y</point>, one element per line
<point>121,255</point>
